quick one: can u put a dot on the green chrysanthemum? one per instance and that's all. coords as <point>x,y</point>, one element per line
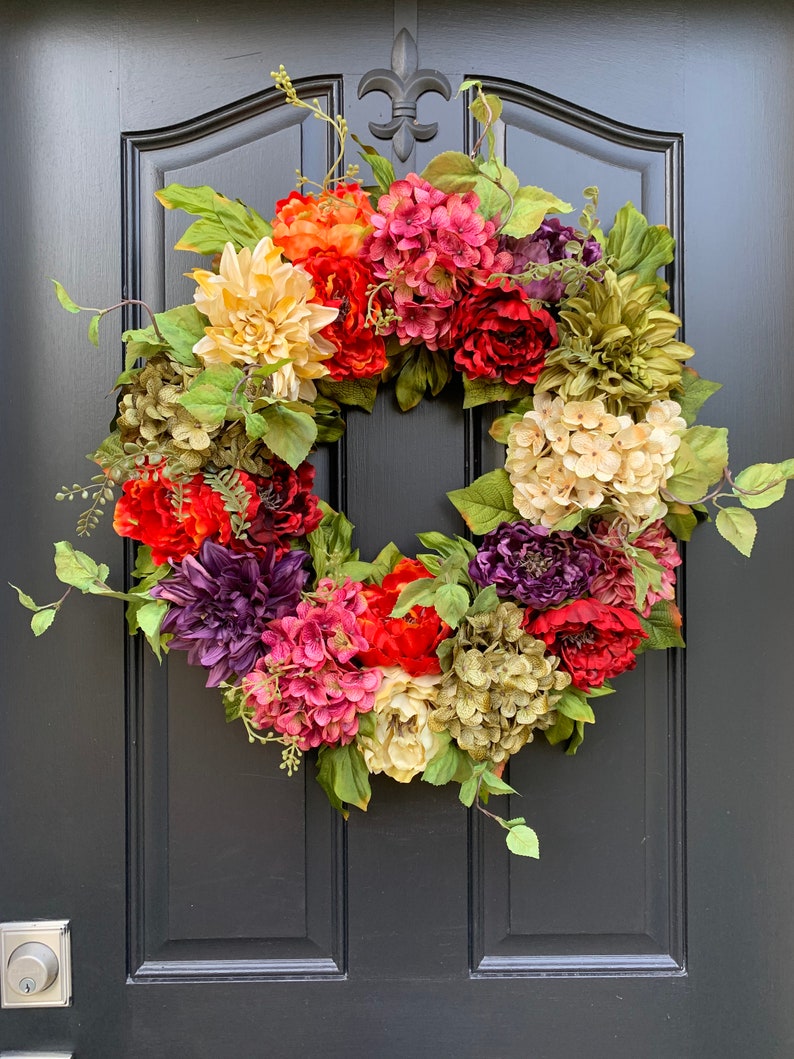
<point>501,687</point>
<point>616,343</point>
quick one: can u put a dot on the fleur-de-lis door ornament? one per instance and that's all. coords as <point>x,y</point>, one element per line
<point>404,84</point>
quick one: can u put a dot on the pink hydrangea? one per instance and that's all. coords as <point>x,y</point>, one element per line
<point>307,686</point>
<point>615,583</point>
<point>430,246</point>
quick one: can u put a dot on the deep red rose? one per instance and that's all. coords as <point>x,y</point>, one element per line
<point>594,640</point>
<point>497,334</point>
<point>409,642</point>
<point>173,521</point>
<point>287,506</point>
<point>343,283</point>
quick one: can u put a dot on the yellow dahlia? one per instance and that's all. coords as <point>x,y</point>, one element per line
<point>260,312</point>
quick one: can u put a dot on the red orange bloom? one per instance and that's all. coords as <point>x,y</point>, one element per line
<point>409,642</point>
<point>336,218</point>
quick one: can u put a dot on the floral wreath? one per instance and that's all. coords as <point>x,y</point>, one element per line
<point>444,665</point>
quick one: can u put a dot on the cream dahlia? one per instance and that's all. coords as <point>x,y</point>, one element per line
<point>261,311</point>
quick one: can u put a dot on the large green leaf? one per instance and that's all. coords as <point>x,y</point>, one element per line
<point>360,393</point>
<point>76,568</point>
<point>530,206</point>
<point>290,434</point>
<point>343,776</point>
<point>452,171</point>
<point>487,502</point>
<point>738,527</point>
<point>765,483</point>
<point>663,626</point>
<point>222,220</point>
<point>696,392</point>
<point>640,247</point>
<point>523,841</point>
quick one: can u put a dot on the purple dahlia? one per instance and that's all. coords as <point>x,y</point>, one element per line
<point>534,565</point>
<point>549,243</point>
<point>220,602</point>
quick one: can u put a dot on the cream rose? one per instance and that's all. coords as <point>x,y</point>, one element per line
<point>402,745</point>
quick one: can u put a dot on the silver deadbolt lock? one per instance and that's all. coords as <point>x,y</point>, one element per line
<point>32,968</point>
<point>35,964</point>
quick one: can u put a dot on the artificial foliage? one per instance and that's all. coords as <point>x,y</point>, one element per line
<point>437,667</point>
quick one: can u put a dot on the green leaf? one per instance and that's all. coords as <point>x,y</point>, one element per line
<point>343,776</point>
<point>487,502</point>
<point>696,392</point>
<point>290,434</point>
<point>681,521</point>
<point>495,784</point>
<point>148,617</point>
<point>574,705</point>
<point>486,391</point>
<point>485,600</point>
<point>222,220</point>
<point>42,620</point>
<point>76,568</point>
<point>360,393</point>
<point>182,327</point>
<point>451,603</point>
<point>495,186</point>
<point>207,404</point>
<point>93,329</point>
<point>468,790</point>
<point>382,169</point>
<point>24,598</point>
<point>530,206</point>
<point>576,739</point>
<point>663,626</point>
<point>69,305</point>
<point>738,527</point>
<point>419,593</point>
<point>447,546</point>
<point>769,477</point>
<point>640,248</point>
<point>444,767</point>
<point>710,445</point>
<point>523,841</point>
<point>412,381</point>
<point>452,171</point>
<point>479,110</point>
<point>500,428</point>
<point>560,731</point>
<point>647,575</point>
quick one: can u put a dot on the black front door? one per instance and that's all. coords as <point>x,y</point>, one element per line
<point>220,909</point>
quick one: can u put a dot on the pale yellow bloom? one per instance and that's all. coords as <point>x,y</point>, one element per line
<point>590,459</point>
<point>260,313</point>
<point>402,745</point>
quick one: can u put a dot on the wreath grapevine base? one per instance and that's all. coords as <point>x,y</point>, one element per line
<point>444,665</point>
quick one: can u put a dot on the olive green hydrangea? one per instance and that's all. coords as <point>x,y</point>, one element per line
<point>616,343</point>
<point>500,687</point>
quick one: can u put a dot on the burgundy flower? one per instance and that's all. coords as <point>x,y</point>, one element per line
<point>287,509</point>
<point>594,641</point>
<point>221,601</point>
<point>534,565</point>
<point>496,333</point>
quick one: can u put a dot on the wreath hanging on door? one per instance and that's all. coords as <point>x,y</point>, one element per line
<point>444,665</point>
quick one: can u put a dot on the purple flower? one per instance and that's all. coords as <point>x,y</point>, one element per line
<point>534,565</point>
<point>220,602</point>
<point>548,243</point>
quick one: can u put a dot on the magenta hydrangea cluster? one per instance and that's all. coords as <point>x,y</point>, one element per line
<point>429,246</point>
<point>307,686</point>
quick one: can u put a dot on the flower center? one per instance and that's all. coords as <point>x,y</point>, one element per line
<point>536,564</point>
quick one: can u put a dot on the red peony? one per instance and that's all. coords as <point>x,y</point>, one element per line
<point>287,506</point>
<point>409,642</point>
<point>343,283</point>
<point>497,334</point>
<point>175,522</point>
<point>594,640</point>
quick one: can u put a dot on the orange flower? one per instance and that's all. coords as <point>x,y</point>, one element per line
<point>335,219</point>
